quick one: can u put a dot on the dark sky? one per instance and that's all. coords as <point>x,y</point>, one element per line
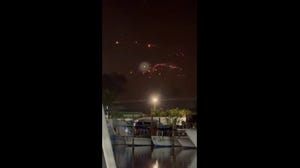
<point>158,32</point>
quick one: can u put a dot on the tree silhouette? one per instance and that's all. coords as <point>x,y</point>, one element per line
<point>112,85</point>
<point>158,113</point>
<point>173,116</point>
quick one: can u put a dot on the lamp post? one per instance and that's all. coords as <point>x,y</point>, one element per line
<point>154,100</point>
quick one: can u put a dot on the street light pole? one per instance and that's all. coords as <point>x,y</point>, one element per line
<point>154,101</point>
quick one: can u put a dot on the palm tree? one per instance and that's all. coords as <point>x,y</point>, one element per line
<point>173,116</point>
<point>185,112</point>
<point>157,113</point>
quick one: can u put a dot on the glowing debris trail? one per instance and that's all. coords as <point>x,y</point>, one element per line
<point>156,67</point>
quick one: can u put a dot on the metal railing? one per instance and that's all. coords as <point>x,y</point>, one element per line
<point>108,154</point>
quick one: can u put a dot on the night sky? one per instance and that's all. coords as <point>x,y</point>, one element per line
<point>153,43</point>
